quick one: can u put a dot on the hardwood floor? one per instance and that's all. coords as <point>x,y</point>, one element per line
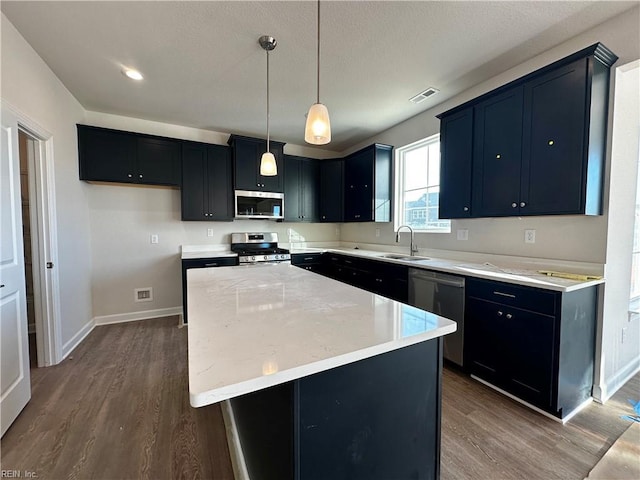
<point>486,435</point>
<point>118,408</point>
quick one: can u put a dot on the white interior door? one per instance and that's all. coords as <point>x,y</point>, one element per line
<point>15,384</point>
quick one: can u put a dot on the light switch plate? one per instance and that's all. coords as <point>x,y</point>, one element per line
<point>463,234</point>
<point>209,232</point>
<point>154,238</point>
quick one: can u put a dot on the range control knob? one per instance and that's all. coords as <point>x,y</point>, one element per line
<point>253,259</point>
<point>266,257</point>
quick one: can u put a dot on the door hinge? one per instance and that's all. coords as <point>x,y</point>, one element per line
<point>49,264</point>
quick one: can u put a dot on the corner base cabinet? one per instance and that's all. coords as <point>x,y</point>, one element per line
<point>538,345</point>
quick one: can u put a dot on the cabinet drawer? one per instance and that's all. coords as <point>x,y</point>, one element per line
<point>210,262</point>
<point>526,298</point>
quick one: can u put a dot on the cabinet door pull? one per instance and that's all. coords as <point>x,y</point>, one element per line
<point>498,156</point>
<point>523,204</point>
<point>210,264</point>
<point>129,175</point>
<point>466,209</point>
<point>308,258</point>
<point>504,294</point>
<point>509,316</point>
<point>514,204</point>
<point>499,313</point>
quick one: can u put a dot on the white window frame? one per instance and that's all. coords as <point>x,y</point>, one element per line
<point>399,192</point>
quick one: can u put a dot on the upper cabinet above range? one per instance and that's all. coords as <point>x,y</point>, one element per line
<point>107,155</point>
<point>535,146</point>
<point>247,153</point>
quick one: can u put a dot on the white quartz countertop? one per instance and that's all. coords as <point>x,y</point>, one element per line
<point>206,251</point>
<point>252,327</point>
<point>512,274</point>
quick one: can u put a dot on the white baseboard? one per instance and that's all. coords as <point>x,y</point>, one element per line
<point>68,347</point>
<point>564,420</point>
<point>134,316</point>
<point>610,387</point>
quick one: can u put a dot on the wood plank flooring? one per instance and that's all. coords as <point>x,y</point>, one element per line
<point>118,408</point>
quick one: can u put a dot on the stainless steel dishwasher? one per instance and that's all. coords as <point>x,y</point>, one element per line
<point>443,295</point>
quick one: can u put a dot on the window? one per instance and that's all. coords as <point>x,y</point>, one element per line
<point>418,186</point>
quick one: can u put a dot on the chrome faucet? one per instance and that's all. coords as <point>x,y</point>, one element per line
<point>412,248</point>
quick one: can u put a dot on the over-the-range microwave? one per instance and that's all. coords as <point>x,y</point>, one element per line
<point>264,205</point>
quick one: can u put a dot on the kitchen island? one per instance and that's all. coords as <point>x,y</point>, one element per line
<point>325,380</point>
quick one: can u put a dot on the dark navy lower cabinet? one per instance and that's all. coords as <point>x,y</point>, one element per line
<point>201,263</point>
<point>374,419</point>
<point>538,345</point>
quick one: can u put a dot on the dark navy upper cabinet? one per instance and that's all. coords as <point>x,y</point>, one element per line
<point>539,142</point>
<point>107,155</point>
<point>247,153</point>
<point>367,185</point>
<point>332,190</point>
<point>301,189</point>
<point>555,161</point>
<point>498,155</point>
<point>206,182</point>
<point>456,145</point>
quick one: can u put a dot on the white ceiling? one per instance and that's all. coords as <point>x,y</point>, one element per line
<point>203,66</point>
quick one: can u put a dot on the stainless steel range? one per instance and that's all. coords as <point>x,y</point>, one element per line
<point>258,247</point>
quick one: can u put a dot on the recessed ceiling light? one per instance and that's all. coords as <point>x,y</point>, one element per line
<point>422,96</point>
<point>132,73</point>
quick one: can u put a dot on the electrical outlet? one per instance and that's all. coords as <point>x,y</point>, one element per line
<point>209,232</point>
<point>529,236</point>
<point>377,232</point>
<point>337,232</point>
<point>463,234</point>
<point>154,238</point>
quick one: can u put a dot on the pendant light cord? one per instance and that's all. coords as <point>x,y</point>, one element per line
<point>318,59</point>
<point>267,101</point>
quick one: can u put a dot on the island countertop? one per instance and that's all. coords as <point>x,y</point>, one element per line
<point>252,327</point>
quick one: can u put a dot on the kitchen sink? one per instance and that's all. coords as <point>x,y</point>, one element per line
<point>406,258</point>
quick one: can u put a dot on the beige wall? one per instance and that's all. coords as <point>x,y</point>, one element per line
<point>620,353</point>
<point>32,89</point>
<point>124,217</point>
<point>576,238</point>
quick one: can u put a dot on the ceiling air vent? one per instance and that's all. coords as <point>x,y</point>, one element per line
<point>422,96</point>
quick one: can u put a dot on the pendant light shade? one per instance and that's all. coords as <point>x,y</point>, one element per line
<point>268,166</point>
<point>318,127</point>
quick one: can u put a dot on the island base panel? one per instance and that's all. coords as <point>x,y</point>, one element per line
<point>377,418</point>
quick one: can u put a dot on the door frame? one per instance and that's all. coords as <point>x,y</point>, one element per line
<point>44,235</point>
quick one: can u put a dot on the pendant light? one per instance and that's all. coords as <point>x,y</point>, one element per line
<point>318,128</point>
<point>268,167</point>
